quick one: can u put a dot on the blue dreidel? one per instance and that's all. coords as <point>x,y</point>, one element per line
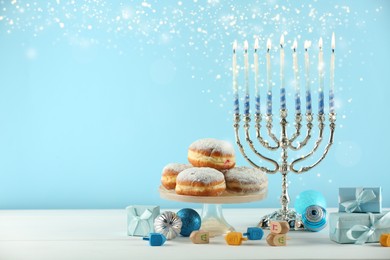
<point>254,233</point>
<point>314,218</point>
<point>156,239</point>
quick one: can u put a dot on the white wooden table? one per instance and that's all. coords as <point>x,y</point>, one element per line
<point>101,234</point>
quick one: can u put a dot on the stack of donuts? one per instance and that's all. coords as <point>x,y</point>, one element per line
<point>211,172</point>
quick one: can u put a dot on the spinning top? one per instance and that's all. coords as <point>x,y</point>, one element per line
<point>155,239</point>
<point>308,198</point>
<point>385,240</point>
<point>314,218</point>
<point>254,233</point>
<point>234,238</point>
<point>200,237</point>
<point>279,227</point>
<point>276,239</point>
<point>168,224</point>
<point>190,221</point>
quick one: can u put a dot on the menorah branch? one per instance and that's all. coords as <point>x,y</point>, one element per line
<point>258,134</point>
<point>269,126</point>
<point>250,143</point>
<point>298,126</point>
<point>332,126</point>
<point>309,125</point>
<point>242,150</point>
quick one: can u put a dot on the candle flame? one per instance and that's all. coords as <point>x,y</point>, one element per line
<point>234,46</point>
<point>307,45</point>
<point>333,41</point>
<point>295,45</point>
<point>246,46</point>
<point>320,43</point>
<point>269,44</point>
<point>256,44</point>
<point>282,41</point>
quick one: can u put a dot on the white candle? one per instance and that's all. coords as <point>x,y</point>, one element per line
<point>269,84</point>
<point>282,87</point>
<point>296,77</point>
<point>320,79</point>
<point>256,65</point>
<point>246,64</point>
<point>307,77</point>
<point>331,89</point>
<point>235,85</point>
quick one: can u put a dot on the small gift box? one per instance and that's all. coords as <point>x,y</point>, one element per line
<point>360,200</point>
<point>359,228</point>
<point>140,219</point>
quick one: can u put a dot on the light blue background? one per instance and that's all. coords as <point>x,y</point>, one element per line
<point>96,97</point>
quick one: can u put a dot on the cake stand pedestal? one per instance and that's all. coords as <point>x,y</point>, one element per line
<point>213,220</point>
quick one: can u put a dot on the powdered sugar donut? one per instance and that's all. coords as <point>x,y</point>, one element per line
<point>212,153</point>
<point>245,179</point>
<point>200,181</point>
<point>170,172</point>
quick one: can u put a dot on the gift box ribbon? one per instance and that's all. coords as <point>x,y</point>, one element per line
<point>362,196</point>
<point>141,220</point>
<point>383,222</point>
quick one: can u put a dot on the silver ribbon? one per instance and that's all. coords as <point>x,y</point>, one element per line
<point>383,222</point>
<point>141,220</point>
<point>361,197</point>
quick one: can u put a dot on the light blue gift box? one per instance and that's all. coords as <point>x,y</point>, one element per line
<point>360,200</point>
<point>140,219</point>
<point>358,228</point>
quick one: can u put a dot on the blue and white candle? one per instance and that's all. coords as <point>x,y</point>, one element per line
<point>256,67</point>
<point>307,77</point>
<point>331,89</point>
<point>296,79</point>
<point>235,85</point>
<point>246,64</point>
<point>282,86</point>
<point>320,79</point>
<point>269,83</point>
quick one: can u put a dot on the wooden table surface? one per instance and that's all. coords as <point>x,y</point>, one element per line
<point>101,234</point>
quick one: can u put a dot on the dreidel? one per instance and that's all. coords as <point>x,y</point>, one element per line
<point>234,238</point>
<point>155,239</point>
<point>200,237</point>
<point>254,233</point>
<point>385,240</point>
<point>279,227</point>
<point>276,239</point>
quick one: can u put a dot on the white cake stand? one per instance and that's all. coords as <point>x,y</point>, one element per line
<point>212,216</point>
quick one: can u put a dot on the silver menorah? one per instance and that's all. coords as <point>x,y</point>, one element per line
<point>285,143</point>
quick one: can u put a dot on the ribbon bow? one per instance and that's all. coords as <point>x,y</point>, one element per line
<point>361,197</point>
<point>383,222</point>
<point>140,220</point>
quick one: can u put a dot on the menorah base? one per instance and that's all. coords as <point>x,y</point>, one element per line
<point>293,219</point>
